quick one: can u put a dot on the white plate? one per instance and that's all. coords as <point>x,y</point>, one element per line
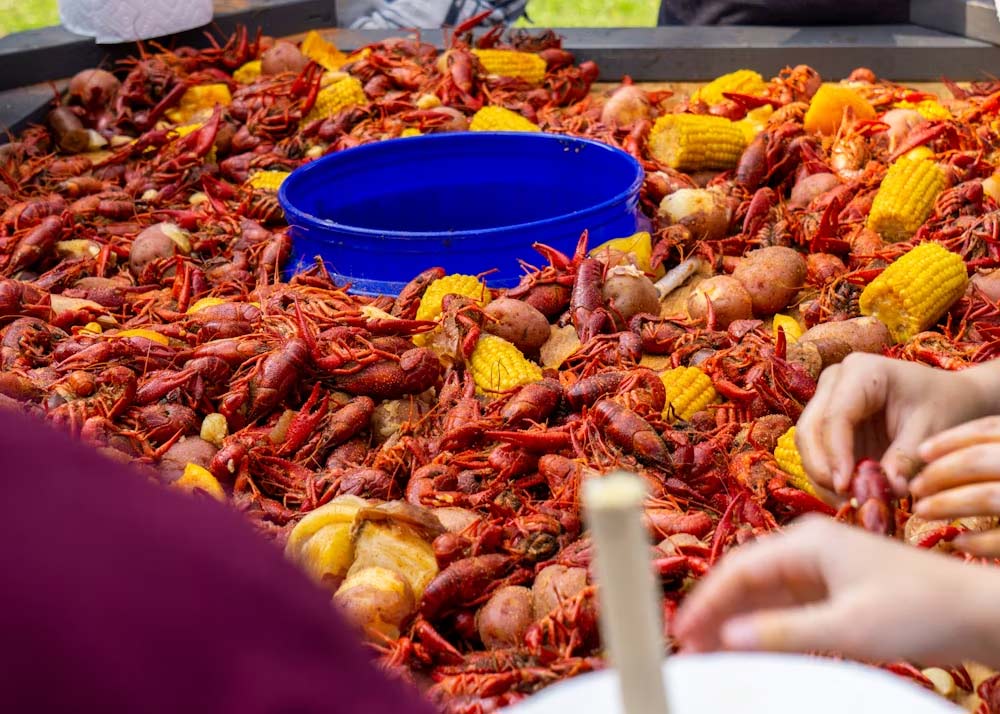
<point>751,684</point>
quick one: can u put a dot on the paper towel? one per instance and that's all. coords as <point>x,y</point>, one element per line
<point>112,21</point>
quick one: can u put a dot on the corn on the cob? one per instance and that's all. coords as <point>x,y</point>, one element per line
<point>790,326</point>
<point>267,180</point>
<point>199,99</point>
<point>500,119</point>
<point>790,461</point>
<point>906,198</point>
<point>248,73</point>
<point>742,81</point>
<point>512,63</point>
<point>456,284</point>
<point>498,366</point>
<point>340,95</point>
<point>929,109</point>
<point>755,121</point>
<point>689,390</point>
<point>690,142</point>
<point>915,290</point>
<point>323,53</point>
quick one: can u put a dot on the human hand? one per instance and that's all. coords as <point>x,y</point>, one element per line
<point>872,406</point>
<point>824,586</point>
<point>961,479</point>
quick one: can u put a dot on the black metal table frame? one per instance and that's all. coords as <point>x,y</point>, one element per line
<point>945,39</point>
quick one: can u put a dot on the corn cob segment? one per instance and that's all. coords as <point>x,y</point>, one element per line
<point>690,142</point>
<point>906,198</point>
<point>915,290</point>
<point>267,180</point>
<point>929,109</point>
<point>248,73</point>
<point>323,53</point>
<point>336,97</point>
<point>456,284</point>
<point>500,119</point>
<point>790,461</point>
<point>689,390</point>
<point>498,366</point>
<point>198,100</point>
<point>511,63</point>
<point>742,81</point>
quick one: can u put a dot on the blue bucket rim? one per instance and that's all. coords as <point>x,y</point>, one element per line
<point>308,220</point>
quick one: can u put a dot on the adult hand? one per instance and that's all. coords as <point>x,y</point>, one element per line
<point>824,586</point>
<point>883,408</point>
<point>961,479</point>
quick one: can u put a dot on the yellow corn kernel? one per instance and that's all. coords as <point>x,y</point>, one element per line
<point>500,119</point>
<point>692,142</point>
<point>929,109</point>
<point>267,180</point>
<point>198,478</point>
<point>410,132</point>
<point>915,290</point>
<point>456,284</point>
<point>199,98</point>
<point>498,366</point>
<point>789,460</point>
<point>689,390</point>
<point>755,121</point>
<point>512,63</point>
<point>828,105</point>
<point>906,198</point>
<point>248,73</point>
<point>150,335</point>
<point>742,81</point>
<point>790,326</point>
<point>921,152</point>
<point>323,53</point>
<point>340,95</point>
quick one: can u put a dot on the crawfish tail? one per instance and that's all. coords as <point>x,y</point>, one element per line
<point>630,432</point>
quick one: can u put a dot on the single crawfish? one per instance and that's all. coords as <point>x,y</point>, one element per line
<point>630,432</point>
<point>266,386</point>
<point>873,495</point>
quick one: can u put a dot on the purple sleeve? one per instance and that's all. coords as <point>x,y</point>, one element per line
<point>118,595</point>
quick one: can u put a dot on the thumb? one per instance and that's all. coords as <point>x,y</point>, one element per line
<point>799,629</point>
<point>901,460</point>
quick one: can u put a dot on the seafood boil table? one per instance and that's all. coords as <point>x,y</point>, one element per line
<point>422,455</point>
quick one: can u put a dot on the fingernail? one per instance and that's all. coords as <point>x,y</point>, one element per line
<point>740,634</point>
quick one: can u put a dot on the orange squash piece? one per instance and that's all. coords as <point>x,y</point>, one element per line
<point>828,105</point>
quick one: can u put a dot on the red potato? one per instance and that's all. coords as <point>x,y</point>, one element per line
<point>505,617</point>
<point>283,57</point>
<point>730,301</point>
<point>95,88</point>
<point>626,105</point>
<point>68,130</point>
<point>860,334</point>
<point>517,322</point>
<point>811,186</point>
<point>163,240</point>
<point>773,276</point>
<point>554,584</point>
<point>629,292</point>
<point>704,212</point>
<point>190,449</point>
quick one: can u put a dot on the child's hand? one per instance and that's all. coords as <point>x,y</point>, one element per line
<point>881,408</point>
<point>823,586</point>
<point>962,478</point>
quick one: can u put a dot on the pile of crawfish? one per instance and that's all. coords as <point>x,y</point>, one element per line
<point>144,309</point>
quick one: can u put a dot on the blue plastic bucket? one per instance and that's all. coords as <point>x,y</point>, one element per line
<point>469,202</point>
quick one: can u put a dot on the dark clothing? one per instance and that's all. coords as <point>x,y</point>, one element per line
<point>122,597</point>
<point>783,12</point>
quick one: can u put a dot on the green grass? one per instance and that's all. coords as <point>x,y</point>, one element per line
<point>18,15</point>
<point>592,13</point>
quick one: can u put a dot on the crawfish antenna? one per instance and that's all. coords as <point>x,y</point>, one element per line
<point>630,615</point>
